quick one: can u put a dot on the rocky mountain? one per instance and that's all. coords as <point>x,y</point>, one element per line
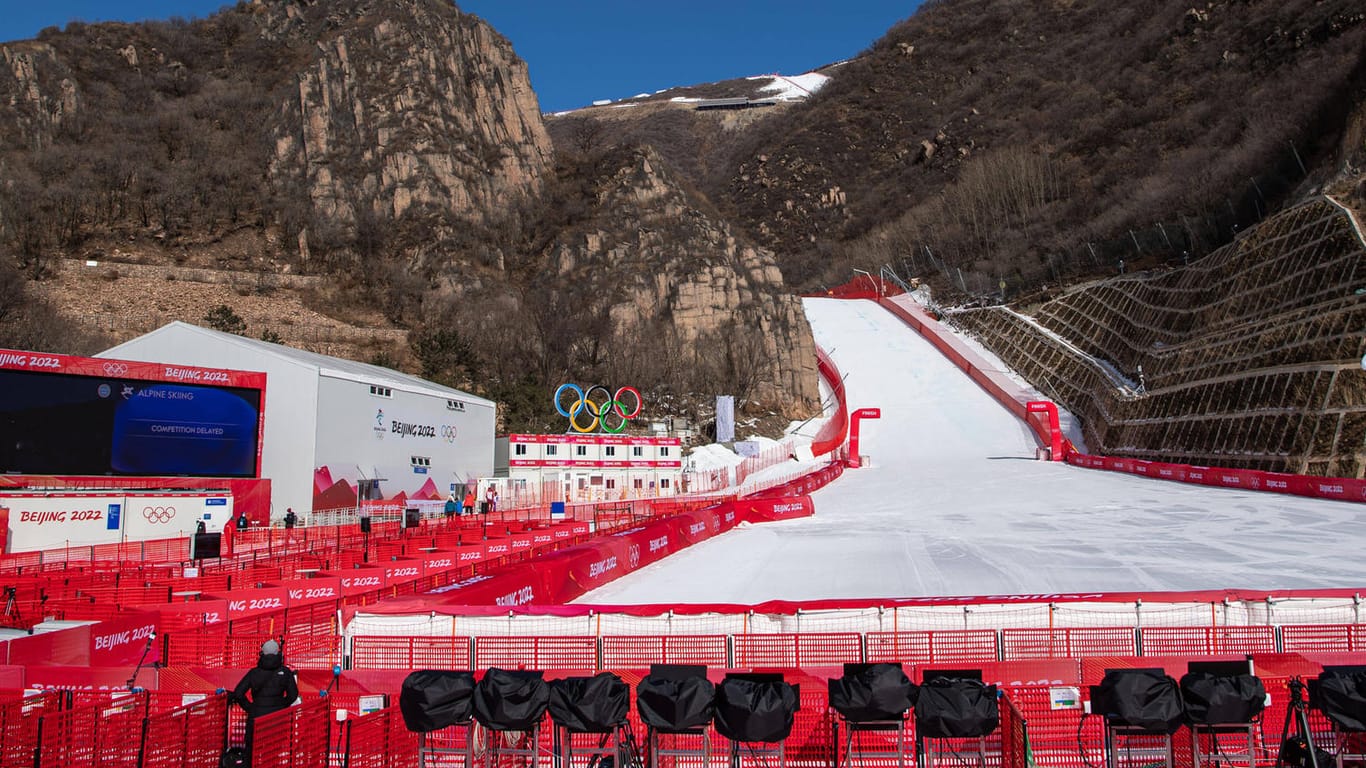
<point>394,147</point>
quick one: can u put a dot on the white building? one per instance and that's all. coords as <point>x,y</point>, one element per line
<point>544,468</point>
<point>334,428</point>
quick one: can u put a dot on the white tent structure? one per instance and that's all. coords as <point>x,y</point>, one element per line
<point>370,426</point>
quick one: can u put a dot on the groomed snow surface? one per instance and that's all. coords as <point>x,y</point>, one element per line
<point>954,503</point>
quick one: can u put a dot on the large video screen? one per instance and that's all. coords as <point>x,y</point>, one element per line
<point>64,424</point>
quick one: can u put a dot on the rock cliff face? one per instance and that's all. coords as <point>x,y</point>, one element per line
<point>671,270</point>
<point>405,105</point>
<point>38,91</point>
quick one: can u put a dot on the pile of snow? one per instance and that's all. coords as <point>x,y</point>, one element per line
<point>793,88</point>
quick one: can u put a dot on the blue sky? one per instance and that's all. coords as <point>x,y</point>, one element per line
<point>582,50</point>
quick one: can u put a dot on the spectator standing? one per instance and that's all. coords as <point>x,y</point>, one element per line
<point>469,500</point>
<point>452,505</point>
<point>271,685</point>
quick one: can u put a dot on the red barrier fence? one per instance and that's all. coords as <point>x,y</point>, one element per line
<point>185,736</point>
<point>832,434</point>
<point>297,737</point>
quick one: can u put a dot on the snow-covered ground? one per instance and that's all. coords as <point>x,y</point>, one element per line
<point>955,504</point>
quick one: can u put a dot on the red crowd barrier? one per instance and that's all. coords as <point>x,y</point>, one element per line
<point>639,652</point>
<point>297,737</point>
<point>410,653</point>
<point>832,434</point>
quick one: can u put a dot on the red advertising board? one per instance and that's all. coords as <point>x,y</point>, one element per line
<point>125,640</point>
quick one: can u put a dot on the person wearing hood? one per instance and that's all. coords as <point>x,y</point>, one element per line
<point>271,685</point>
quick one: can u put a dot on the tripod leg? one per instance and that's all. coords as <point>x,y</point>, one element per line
<point>1303,717</point>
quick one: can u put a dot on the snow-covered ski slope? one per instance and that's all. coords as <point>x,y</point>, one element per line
<point>955,504</point>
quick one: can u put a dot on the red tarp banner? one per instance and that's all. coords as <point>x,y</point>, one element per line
<point>496,548</point>
<point>772,510</point>
<point>1341,488</point>
<point>468,554</point>
<point>124,640</point>
<point>439,562</point>
<point>542,538</point>
<point>522,542</point>
<point>308,591</point>
<point>188,616</point>
<point>358,581</point>
<point>402,572</point>
<point>245,603</point>
<point>65,646</point>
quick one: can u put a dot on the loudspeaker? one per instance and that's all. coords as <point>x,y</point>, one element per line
<point>434,699</point>
<point>365,525</point>
<point>206,546</point>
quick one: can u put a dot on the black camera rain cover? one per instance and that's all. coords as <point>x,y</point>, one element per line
<point>434,699</point>
<point>594,704</point>
<point>1139,698</point>
<point>955,708</point>
<point>755,710</point>
<point>675,704</point>
<point>511,700</point>
<point>1219,699</point>
<point>876,693</point>
<point>1341,694</point>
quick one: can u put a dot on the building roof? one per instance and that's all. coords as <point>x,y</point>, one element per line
<point>325,365</point>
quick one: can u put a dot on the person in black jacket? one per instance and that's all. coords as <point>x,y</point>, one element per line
<point>271,685</point>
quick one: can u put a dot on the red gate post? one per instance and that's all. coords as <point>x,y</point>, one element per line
<point>1049,412</point>
<point>855,460</point>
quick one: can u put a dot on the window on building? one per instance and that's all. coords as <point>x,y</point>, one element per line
<point>664,482</point>
<point>580,450</point>
<point>611,450</point>
<point>421,461</point>
<point>519,449</point>
<point>637,451</point>
<point>455,405</point>
<point>550,450</point>
<point>663,450</point>
<point>611,483</point>
<point>379,391</point>
<point>638,483</point>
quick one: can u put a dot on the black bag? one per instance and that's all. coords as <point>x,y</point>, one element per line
<point>673,705</point>
<point>1220,699</point>
<point>233,757</point>
<point>511,700</point>
<point>1145,699</point>
<point>750,709</point>
<point>955,708</point>
<point>594,704</point>
<point>1341,694</point>
<point>433,699</point>
<point>872,693</point>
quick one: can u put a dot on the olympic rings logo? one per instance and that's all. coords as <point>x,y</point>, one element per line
<point>115,369</point>
<point>158,515</point>
<point>598,407</point>
<point>448,433</point>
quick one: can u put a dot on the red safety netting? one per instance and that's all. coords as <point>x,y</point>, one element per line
<point>833,433</point>
<point>19,719</point>
<point>297,737</point>
<point>378,740</point>
<point>410,652</point>
<point>1323,638</point>
<point>1206,641</point>
<point>1030,643</point>
<point>623,651</point>
<point>950,646</point>
<point>536,652</point>
<point>798,650</point>
<point>191,734</point>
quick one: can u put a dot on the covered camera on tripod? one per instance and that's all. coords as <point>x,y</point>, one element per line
<point>1144,700</point>
<point>511,700</point>
<point>956,705</point>
<point>1340,693</point>
<point>872,693</point>
<point>434,699</point>
<point>675,698</point>
<point>1222,693</point>
<point>756,707</point>
<point>596,704</point>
